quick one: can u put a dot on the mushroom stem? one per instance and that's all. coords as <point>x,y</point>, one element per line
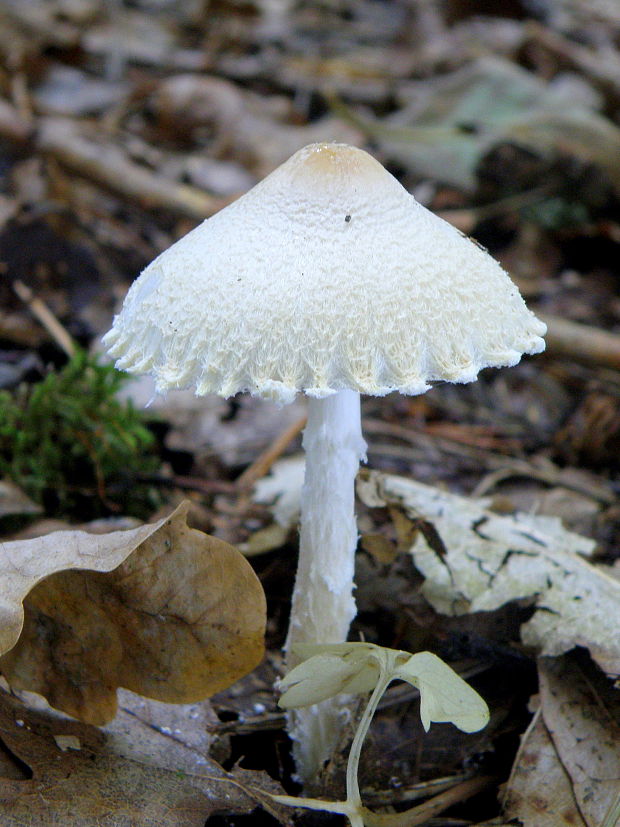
<point>323,605</point>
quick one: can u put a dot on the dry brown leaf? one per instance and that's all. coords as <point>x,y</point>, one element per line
<point>539,792</point>
<point>163,610</point>
<point>581,710</point>
<point>92,787</point>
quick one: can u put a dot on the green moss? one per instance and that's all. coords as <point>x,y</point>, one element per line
<point>73,447</point>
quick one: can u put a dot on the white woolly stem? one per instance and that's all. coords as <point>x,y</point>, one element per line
<point>323,605</point>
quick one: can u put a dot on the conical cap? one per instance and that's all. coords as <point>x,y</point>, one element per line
<point>326,275</point>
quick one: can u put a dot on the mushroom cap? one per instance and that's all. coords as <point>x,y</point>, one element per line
<point>326,275</point>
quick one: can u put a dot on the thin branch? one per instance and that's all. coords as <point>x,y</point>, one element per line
<point>108,165</point>
<point>263,462</point>
<point>581,342</point>
<point>41,311</point>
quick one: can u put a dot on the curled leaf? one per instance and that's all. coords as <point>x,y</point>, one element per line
<point>444,696</point>
<point>162,610</point>
<point>329,670</point>
<point>358,667</point>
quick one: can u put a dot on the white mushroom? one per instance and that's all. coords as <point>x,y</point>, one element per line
<point>327,278</point>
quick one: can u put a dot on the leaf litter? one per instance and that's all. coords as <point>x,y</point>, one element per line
<point>115,174</point>
<point>90,785</point>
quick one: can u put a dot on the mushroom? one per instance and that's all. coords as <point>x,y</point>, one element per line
<point>326,278</point>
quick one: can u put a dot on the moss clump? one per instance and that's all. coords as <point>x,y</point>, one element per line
<point>73,447</point>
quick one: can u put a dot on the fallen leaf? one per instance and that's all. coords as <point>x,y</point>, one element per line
<point>138,37</point>
<point>581,710</point>
<point>575,15</point>
<point>492,559</point>
<point>93,787</point>
<point>381,548</point>
<point>207,422</point>
<point>186,102</point>
<point>173,736</point>
<point>163,610</point>
<point>539,793</point>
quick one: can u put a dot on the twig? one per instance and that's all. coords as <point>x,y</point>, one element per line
<point>266,458</point>
<point>387,798</point>
<point>108,165</point>
<point>477,436</point>
<point>269,721</point>
<point>465,219</point>
<point>42,312</point>
<point>503,466</point>
<point>595,64</point>
<point>581,342</point>
<point>550,475</point>
<point>421,814</point>
<point>429,443</point>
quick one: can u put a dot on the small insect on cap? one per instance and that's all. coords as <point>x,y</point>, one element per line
<point>326,275</point>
